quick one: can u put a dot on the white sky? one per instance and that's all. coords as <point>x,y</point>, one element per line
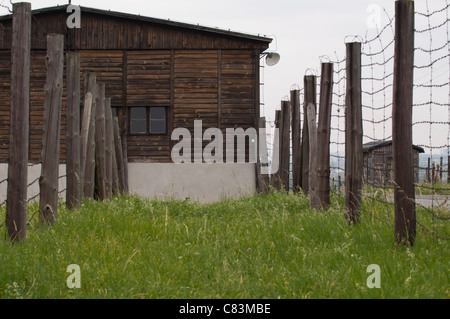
<point>303,30</point>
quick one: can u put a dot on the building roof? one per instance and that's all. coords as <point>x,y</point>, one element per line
<point>162,22</point>
<point>368,147</point>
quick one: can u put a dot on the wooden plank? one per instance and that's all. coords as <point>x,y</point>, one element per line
<point>275,180</point>
<point>285,144</point>
<point>88,146</point>
<point>309,97</point>
<point>404,193</point>
<point>119,155</point>
<point>296,139</point>
<point>353,134</point>
<point>109,149</point>
<point>100,143</point>
<point>314,199</point>
<point>16,210</point>
<point>324,134</point>
<point>73,167</point>
<point>48,182</point>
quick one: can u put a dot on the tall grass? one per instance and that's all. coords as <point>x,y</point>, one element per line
<point>269,246</point>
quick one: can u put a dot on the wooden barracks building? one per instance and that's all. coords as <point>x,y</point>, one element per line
<point>160,75</point>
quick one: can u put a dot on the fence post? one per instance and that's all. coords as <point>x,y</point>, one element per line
<point>276,152</point>
<point>48,181</point>
<point>310,88</point>
<point>109,148</point>
<point>263,162</point>
<point>16,205</point>
<point>448,170</point>
<point>404,193</point>
<point>285,144</point>
<point>353,134</point>
<point>73,158</point>
<point>100,142</point>
<point>313,196</point>
<point>324,134</point>
<point>119,155</point>
<point>88,136</point>
<point>296,139</point>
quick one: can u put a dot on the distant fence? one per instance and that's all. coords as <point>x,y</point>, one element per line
<point>374,76</point>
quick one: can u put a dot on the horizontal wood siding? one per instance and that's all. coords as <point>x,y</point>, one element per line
<point>149,84</point>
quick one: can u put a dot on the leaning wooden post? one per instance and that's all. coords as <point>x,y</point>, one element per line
<point>404,194</point>
<point>314,199</point>
<point>109,148</point>
<point>100,142</point>
<point>296,139</point>
<point>324,134</point>
<point>310,88</point>
<point>88,136</point>
<point>119,155</point>
<point>285,144</point>
<point>16,205</point>
<point>48,181</point>
<point>353,134</point>
<point>73,145</point>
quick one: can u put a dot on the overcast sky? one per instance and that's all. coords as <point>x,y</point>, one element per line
<point>303,31</point>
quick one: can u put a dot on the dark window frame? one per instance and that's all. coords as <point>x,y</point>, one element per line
<point>148,120</point>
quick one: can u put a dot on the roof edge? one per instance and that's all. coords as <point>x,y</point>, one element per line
<point>168,22</point>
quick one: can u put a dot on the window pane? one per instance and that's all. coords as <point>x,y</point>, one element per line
<point>138,127</point>
<point>114,111</point>
<point>158,120</point>
<point>158,113</point>
<point>138,113</point>
<point>157,127</point>
<point>138,122</point>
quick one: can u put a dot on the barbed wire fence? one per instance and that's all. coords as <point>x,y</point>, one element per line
<point>431,114</point>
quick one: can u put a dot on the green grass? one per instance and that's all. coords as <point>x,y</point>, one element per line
<point>261,247</point>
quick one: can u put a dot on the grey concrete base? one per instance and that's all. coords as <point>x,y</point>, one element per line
<point>198,182</point>
<point>34,172</point>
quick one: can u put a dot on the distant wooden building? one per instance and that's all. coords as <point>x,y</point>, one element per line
<point>378,162</point>
<point>160,75</point>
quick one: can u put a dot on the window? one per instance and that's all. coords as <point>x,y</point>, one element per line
<point>114,111</point>
<point>138,122</point>
<point>148,120</point>
<point>157,120</point>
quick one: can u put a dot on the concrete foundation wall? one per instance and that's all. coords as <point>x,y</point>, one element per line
<point>199,182</point>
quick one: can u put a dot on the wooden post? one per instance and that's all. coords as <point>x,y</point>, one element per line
<point>276,153</point>
<point>313,195</point>
<point>429,171</point>
<point>73,145</point>
<point>123,131</point>
<point>353,134</point>
<point>324,134</point>
<point>404,194</point>
<point>441,170</point>
<point>48,181</point>
<point>448,170</point>
<point>16,205</point>
<point>88,136</point>
<point>100,143</point>
<point>109,148</point>
<point>263,178</point>
<point>310,88</point>
<point>285,144</point>
<point>296,139</point>
<point>119,155</point>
